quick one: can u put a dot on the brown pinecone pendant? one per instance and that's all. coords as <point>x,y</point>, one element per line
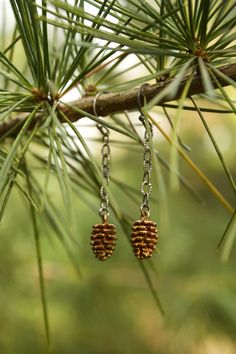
<point>103,240</point>
<point>144,238</point>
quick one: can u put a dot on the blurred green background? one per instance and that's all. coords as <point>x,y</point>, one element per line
<point>110,309</point>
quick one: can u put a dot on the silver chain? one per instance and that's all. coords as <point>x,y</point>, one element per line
<point>105,168</point>
<point>146,186</point>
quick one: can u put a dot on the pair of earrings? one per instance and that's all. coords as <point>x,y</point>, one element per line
<point>144,231</point>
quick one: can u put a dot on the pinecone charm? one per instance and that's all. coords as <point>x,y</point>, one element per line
<point>144,238</point>
<point>103,240</point>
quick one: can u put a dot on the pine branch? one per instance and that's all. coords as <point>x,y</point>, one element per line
<point>109,103</point>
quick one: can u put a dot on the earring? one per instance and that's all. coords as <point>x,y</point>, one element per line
<point>103,238</point>
<point>144,231</point>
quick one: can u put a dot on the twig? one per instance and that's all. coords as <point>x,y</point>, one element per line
<point>109,103</point>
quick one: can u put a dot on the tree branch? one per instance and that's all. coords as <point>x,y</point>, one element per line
<point>109,103</point>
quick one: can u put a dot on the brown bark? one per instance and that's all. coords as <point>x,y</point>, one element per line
<point>108,103</point>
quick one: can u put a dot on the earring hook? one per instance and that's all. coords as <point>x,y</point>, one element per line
<point>95,103</point>
<point>139,97</point>
<point>142,118</point>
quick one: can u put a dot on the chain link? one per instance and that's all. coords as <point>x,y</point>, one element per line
<point>146,186</point>
<point>105,169</point>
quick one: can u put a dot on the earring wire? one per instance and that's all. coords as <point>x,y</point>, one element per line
<point>95,103</point>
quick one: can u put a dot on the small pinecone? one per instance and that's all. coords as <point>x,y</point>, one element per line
<point>144,238</point>
<point>103,240</point>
